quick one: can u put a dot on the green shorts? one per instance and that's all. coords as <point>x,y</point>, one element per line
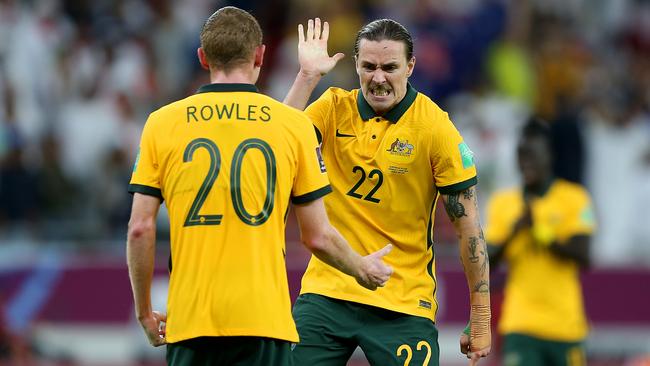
<point>519,349</point>
<point>227,351</point>
<point>330,330</point>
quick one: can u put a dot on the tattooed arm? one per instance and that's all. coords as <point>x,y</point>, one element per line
<point>462,209</point>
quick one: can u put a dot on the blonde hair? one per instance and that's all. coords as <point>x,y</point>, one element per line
<point>229,38</point>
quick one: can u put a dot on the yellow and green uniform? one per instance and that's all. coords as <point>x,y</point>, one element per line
<point>387,173</point>
<point>227,161</point>
<point>543,296</point>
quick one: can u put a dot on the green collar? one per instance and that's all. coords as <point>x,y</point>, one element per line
<point>226,87</point>
<point>366,112</point>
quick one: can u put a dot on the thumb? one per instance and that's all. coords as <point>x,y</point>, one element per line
<point>474,357</point>
<point>385,250</point>
<point>338,57</point>
<point>160,316</point>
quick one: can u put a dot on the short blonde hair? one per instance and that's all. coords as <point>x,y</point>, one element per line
<point>229,38</point>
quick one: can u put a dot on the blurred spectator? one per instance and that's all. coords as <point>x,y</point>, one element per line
<point>18,203</point>
<point>36,32</point>
<point>87,128</point>
<point>452,40</point>
<point>559,79</point>
<point>172,52</point>
<point>510,65</point>
<point>113,202</point>
<point>617,138</point>
<point>490,122</point>
<point>57,193</point>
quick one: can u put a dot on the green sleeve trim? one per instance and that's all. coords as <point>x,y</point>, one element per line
<point>319,136</point>
<point>149,191</point>
<point>458,187</point>
<point>467,329</point>
<point>311,196</point>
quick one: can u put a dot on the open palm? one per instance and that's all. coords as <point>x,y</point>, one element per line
<point>312,49</point>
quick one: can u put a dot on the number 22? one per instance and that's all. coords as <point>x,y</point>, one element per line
<point>409,352</point>
<point>369,197</point>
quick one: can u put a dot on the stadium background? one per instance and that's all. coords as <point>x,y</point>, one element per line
<point>78,79</point>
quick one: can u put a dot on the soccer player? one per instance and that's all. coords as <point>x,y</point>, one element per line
<point>542,230</point>
<point>228,161</point>
<point>391,152</point>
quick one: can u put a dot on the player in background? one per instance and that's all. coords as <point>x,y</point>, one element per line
<point>391,152</point>
<point>227,161</point>
<point>542,231</point>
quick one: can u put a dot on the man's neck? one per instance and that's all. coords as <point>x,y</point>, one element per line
<point>539,188</point>
<point>236,76</point>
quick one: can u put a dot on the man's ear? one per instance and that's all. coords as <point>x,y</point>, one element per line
<point>202,59</point>
<point>410,65</point>
<point>259,55</point>
<point>356,64</point>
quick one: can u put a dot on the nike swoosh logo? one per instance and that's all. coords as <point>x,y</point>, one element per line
<point>338,134</point>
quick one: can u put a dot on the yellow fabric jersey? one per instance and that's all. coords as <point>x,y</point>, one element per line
<point>386,173</point>
<point>227,160</point>
<point>543,296</point>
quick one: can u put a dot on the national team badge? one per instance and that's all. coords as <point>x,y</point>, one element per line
<point>400,150</point>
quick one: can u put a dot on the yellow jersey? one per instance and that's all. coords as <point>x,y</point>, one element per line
<point>227,161</point>
<point>543,296</point>
<point>386,174</point>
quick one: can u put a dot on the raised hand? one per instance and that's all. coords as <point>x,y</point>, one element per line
<point>374,272</point>
<point>312,49</point>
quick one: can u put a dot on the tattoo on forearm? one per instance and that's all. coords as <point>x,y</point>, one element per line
<point>478,251</point>
<point>482,287</point>
<point>473,245</point>
<point>484,265</point>
<point>483,252</point>
<point>454,208</point>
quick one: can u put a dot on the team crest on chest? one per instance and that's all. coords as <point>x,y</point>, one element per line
<point>400,149</point>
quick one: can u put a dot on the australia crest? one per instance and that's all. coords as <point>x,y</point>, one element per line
<point>400,150</point>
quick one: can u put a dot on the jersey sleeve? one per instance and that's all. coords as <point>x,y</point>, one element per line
<point>318,112</point>
<point>452,161</point>
<point>146,169</point>
<point>580,219</point>
<point>310,182</point>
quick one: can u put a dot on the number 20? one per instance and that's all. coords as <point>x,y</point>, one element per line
<point>194,218</point>
<point>409,352</point>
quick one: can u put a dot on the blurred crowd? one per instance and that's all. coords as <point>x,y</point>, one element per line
<point>78,79</point>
